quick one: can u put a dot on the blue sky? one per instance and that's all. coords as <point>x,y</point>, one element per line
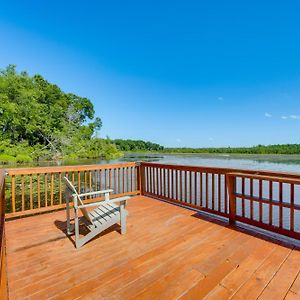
<point>179,73</point>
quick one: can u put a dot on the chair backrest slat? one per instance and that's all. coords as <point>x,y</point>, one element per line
<point>70,191</point>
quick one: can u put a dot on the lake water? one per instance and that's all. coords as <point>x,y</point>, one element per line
<point>284,163</point>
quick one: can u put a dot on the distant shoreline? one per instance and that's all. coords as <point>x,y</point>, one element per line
<point>215,154</point>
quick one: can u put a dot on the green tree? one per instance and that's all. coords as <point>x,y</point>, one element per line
<point>39,119</point>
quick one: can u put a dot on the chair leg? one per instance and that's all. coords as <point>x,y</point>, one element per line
<point>69,230</point>
<point>123,215</point>
<point>77,238</point>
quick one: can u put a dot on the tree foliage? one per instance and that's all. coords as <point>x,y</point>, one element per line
<point>137,145</point>
<point>259,149</point>
<point>39,120</point>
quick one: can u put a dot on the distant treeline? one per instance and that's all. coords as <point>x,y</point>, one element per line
<point>259,149</point>
<point>137,145</point>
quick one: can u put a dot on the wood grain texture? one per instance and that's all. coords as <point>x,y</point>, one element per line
<point>168,252</point>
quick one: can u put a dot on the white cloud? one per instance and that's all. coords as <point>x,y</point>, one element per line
<point>295,117</point>
<point>268,115</point>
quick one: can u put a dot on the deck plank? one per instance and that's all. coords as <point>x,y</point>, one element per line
<point>263,275</point>
<point>168,252</point>
<point>284,278</point>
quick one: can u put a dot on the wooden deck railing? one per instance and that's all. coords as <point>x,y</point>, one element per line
<point>196,187</point>
<point>41,189</point>
<point>206,189</point>
<point>268,202</point>
<point>3,274</point>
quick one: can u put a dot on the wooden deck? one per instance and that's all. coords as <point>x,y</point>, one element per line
<point>168,253</point>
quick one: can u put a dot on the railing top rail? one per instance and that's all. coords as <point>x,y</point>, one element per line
<point>60,169</point>
<point>220,170</point>
<point>266,177</point>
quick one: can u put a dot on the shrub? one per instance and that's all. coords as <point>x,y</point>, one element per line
<point>7,159</point>
<point>23,158</point>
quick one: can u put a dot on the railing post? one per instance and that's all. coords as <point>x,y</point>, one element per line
<point>231,185</point>
<point>3,269</point>
<point>140,177</point>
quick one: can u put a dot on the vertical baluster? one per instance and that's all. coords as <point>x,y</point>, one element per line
<point>206,189</point>
<point>191,193</point>
<point>243,199</point>
<point>172,184</point>
<point>60,188</point>
<point>164,191</point>
<point>200,189</point>
<point>23,193</point>
<point>176,186</point>
<point>51,189</point>
<point>219,193</point>
<point>79,181</point>
<point>146,178</point>
<point>73,178</point>
<point>119,189</point>
<point>270,204</point>
<point>195,188</point>
<point>213,191</point>
<point>168,183</point>
<point>97,179</point>
<point>104,181</point>
<point>226,203</point>
<point>260,203</point>
<point>123,180</point>
<point>94,180</point>
<point>157,181</point>
<point>13,193</point>
<point>46,189</point>
<point>90,182</point>
<point>181,186</point>
<point>100,179</point>
<point>292,202</point>
<point>85,183</point>
<point>114,184</point>
<point>161,180</point>
<point>39,190</point>
<point>110,178</point>
<point>151,179</point>
<point>131,179</point>
<point>106,178</point>
<point>30,191</point>
<point>251,195</point>
<point>280,207</point>
<point>185,187</point>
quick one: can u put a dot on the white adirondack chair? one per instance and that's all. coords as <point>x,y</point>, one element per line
<point>106,213</point>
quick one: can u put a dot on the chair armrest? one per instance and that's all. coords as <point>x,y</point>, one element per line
<point>121,199</point>
<point>96,193</point>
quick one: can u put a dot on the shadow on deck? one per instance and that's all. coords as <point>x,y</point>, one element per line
<point>168,252</point>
